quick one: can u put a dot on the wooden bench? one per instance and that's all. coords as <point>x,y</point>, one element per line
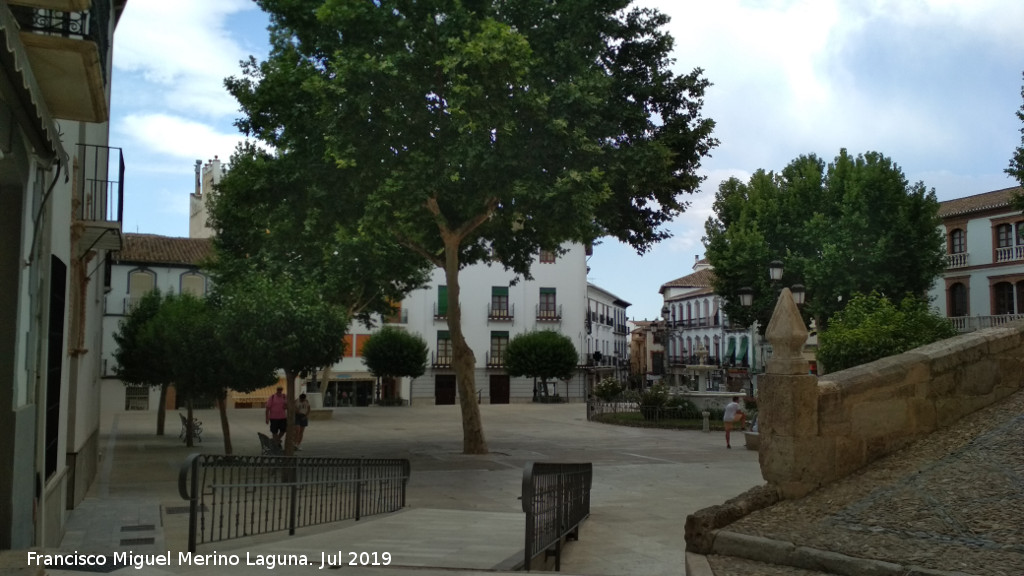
<point>197,428</point>
<point>268,446</point>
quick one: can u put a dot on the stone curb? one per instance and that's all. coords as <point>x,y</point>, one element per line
<point>697,565</point>
<point>784,553</point>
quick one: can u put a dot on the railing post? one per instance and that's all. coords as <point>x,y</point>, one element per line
<point>189,490</point>
<point>359,489</point>
<point>293,496</point>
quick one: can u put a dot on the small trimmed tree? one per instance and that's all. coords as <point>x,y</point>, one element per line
<point>543,354</point>
<point>139,359</point>
<point>394,353</point>
<point>872,327</point>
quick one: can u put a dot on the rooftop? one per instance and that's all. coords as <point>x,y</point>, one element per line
<point>996,199</point>
<point>155,249</point>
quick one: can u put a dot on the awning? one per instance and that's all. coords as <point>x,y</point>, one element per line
<point>743,350</point>
<point>729,351</point>
<point>20,89</point>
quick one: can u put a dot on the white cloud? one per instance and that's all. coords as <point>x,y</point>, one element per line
<point>176,136</point>
<point>184,48</point>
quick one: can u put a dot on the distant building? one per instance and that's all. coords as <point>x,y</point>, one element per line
<point>607,335</point>
<point>983,283</point>
<point>207,176</point>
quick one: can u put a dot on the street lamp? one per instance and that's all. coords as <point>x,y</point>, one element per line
<point>775,269</point>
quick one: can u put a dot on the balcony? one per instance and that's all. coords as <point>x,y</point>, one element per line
<point>443,360</point>
<point>506,314</point>
<point>68,46</point>
<point>440,314</point>
<point>1010,253</point>
<point>549,314</point>
<point>957,260</point>
<point>972,323</point>
<point>99,179</point>
<point>495,361</point>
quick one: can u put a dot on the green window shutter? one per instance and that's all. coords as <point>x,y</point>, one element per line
<point>442,301</point>
<point>547,290</point>
<point>499,291</point>
<point>443,335</point>
<point>743,349</point>
<point>499,335</point>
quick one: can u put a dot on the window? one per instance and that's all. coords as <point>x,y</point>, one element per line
<point>1002,298</point>
<point>1020,233</point>
<point>547,257</point>
<point>548,304</point>
<point>140,283</point>
<point>957,305</point>
<point>361,340</point>
<point>444,347</point>
<point>499,302</point>
<point>957,242</point>
<point>1004,236</point>
<point>499,343</point>
<point>441,310</point>
<point>193,283</point>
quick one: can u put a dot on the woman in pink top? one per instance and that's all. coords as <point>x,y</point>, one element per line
<point>277,414</point>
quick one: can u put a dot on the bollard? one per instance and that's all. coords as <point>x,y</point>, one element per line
<point>707,420</point>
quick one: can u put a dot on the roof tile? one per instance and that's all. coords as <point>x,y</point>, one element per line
<point>154,249</point>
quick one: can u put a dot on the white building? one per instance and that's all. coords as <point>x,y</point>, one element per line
<point>494,309</point>
<point>207,176</point>
<point>983,284</point>
<point>61,192</point>
<point>146,262</point>
<point>607,339</point>
<point>695,321</point>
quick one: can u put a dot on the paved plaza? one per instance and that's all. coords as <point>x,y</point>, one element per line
<point>463,515</point>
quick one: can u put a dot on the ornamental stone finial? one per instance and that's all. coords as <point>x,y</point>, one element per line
<point>787,334</point>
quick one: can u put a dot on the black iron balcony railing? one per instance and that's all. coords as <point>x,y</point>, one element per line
<point>442,360</point>
<point>549,313</point>
<point>507,313</point>
<point>92,26</point>
<point>100,183</point>
<point>494,360</point>
<point>440,313</point>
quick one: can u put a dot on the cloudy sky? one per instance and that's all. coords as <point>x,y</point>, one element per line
<point>933,84</point>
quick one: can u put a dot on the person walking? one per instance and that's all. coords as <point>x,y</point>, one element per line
<point>733,413</point>
<point>301,419</point>
<point>277,414</point>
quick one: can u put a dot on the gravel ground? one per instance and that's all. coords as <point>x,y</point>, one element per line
<point>953,501</point>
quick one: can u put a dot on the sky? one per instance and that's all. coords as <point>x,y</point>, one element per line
<point>932,84</point>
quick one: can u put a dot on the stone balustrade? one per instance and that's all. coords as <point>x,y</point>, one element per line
<point>816,431</point>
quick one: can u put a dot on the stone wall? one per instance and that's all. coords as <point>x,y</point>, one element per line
<point>815,431</point>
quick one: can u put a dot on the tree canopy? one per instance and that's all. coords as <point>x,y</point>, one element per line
<point>138,357</point>
<point>853,226</point>
<point>872,327</point>
<point>543,354</point>
<point>1016,168</point>
<point>479,131</point>
<point>392,353</point>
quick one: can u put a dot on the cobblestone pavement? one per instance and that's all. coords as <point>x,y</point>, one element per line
<point>953,502</point>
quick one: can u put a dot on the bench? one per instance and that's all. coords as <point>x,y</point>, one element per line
<point>197,428</point>
<point>268,446</point>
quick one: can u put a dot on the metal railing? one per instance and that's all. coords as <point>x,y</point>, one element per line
<point>100,183</point>
<point>92,26</point>
<point>240,496</point>
<point>556,499</point>
<point>499,313</point>
<point>549,313</point>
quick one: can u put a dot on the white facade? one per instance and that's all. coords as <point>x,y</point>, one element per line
<point>146,262</point>
<point>61,188</point>
<point>983,284</point>
<point>607,335</point>
<point>493,311</point>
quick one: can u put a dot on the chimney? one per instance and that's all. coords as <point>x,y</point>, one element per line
<point>199,184</point>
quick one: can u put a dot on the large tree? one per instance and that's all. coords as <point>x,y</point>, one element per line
<point>855,225</point>
<point>394,353</point>
<point>543,354</point>
<point>287,322</point>
<point>139,358</point>
<point>477,131</point>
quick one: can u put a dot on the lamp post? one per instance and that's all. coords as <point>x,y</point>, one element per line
<point>775,269</point>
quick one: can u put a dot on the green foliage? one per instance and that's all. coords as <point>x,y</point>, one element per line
<point>655,396</point>
<point>393,352</point>
<point>541,354</point>
<point>680,407</point>
<point>138,356</point>
<point>608,389</point>
<point>872,327</point>
<point>1016,167</point>
<point>285,322</point>
<point>853,226</point>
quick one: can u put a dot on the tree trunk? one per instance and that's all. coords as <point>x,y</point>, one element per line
<point>222,407</point>
<point>289,436</point>
<point>188,423</point>
<point>473,441</point>
<point>161,411</point>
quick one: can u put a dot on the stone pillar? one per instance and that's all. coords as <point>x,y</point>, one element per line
<point>793,457</point>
